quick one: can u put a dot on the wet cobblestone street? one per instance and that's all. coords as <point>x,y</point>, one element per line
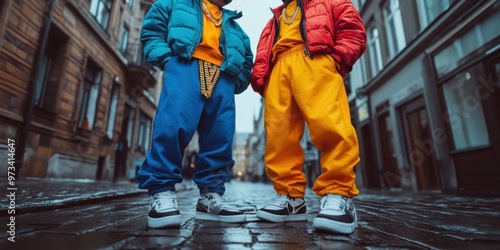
<point>387,220</point>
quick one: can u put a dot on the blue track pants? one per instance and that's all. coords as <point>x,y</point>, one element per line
<point>182,110</point>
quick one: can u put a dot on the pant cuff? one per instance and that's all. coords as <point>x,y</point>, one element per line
<point>156,190</point>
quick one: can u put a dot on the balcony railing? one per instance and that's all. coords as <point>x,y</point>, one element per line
<point>135,56</point>
<point>139,70</point>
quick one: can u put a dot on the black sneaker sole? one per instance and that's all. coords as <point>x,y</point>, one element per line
<point>263,215</point>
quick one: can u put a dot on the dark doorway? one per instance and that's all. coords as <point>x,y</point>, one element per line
<point>100,167</point>
<point>421,154</point>
<point>371,172</point>
<point>390,170</point>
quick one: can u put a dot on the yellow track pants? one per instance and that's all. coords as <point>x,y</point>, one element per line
<point>303,90</point>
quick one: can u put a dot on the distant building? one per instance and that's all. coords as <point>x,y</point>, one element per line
<point>256,147</point>
<point>425,96</point>
<point>73,80</point>
<point>240,156</point>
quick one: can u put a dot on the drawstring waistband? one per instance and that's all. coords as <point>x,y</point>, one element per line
<point>291,51</point>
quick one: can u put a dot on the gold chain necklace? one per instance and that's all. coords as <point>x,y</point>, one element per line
<point>288,19</point>
<point>217,21</point>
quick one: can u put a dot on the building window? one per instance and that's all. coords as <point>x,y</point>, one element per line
<point>89,96</point>
<point>430,9</point>
<point>113,107</point>
<point>362,69</point>
<point>130,125</point>
<point>124,39</point>
<point>42,78</point>
<point>451,57</point>
<point>48,72</point>
<point>394,27</point>
<point>374,51</point>
<point>101,10</point>
<point>144,133</point>
<point>465,115</point>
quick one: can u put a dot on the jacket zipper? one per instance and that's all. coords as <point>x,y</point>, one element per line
<point>198,37</point>
<point>303,32</point>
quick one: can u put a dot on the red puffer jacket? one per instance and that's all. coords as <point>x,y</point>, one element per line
<point>331,27</point>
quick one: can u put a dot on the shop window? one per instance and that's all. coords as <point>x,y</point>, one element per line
<point>465,116</point>
<point>428,10</point>
<point>113,107</point>
<point>394,27</point>
<point>450,57</point>
<point>101,10</point>
<point>89,96</point>
<point>144,133</point>
<point>374,51</point>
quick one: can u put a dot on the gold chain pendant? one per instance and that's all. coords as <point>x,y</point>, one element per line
<point>288,19</point>
<point>209,75</point>
<point>217,21</point>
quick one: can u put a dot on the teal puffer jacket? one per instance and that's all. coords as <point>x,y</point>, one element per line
<point>174,27</point>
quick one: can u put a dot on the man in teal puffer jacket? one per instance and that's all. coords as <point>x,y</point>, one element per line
<point>206,58</point>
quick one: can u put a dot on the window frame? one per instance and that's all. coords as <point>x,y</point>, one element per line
<point>42,78</point>
<point>89,85</point>
<point>423,13</point>
<point>375,52</point>
<point>113,110</point>
<point>144,133</point>
<point>124,40</point>
<point>394,28</point>
<point>97,8</point>
<point>460,112</point>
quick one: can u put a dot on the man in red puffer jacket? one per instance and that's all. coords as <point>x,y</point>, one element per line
<point>303,53</point>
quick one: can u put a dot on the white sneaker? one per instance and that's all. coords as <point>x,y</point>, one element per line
<point>284,208</point>
<point>211,206</point>
<point>337,214</point>
<point>163,210</point>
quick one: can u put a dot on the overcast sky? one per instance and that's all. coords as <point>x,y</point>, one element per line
<point>255,15</point>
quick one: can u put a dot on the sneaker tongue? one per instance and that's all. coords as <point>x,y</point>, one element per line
<point>334,202</point>
<point>281,201</point>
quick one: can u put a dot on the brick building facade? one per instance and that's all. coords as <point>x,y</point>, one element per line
<point>73,81</point>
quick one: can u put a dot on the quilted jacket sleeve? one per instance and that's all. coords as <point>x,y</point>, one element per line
<point>350,36</point>
<point>261,66</point>
<point>154,33</point>
<point>247,65</point>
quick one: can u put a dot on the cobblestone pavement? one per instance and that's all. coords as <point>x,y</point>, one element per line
<point>387,220</point>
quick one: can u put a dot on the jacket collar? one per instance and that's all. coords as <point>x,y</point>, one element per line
<point>277,11</point>
<point>229,13</point>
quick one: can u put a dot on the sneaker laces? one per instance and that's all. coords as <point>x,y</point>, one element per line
<point>281,201</point>
<point>217,200</point>
<point>333,202</point>
<point>164,200</point>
